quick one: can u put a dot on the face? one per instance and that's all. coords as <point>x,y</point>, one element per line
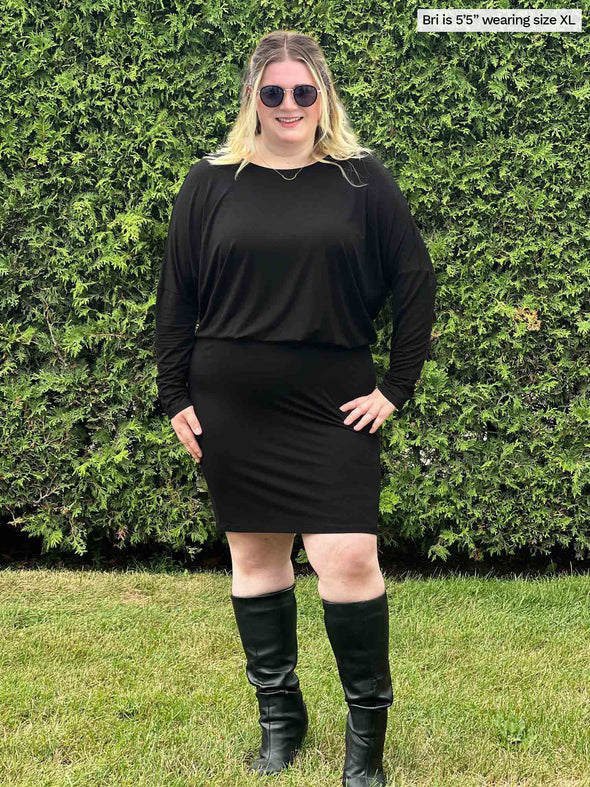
<point>288,75</point>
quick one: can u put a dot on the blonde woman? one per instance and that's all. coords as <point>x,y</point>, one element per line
<point>283,246</point>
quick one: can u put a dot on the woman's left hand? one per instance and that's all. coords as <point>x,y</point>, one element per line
<point>373,406</point>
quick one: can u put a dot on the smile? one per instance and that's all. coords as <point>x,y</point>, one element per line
<point>289,121</point>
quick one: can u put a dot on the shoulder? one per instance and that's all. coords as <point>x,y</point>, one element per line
<point>378,173</point>
<point>369,170</point>
<point>365,163</point>
<point>200,180</point>
<point>200,172</point>
<point>386,202</point>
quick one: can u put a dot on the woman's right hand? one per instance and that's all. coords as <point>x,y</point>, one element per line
<point>185,424</point>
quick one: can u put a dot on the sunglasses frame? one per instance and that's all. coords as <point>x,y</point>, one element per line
<point>292,90</point>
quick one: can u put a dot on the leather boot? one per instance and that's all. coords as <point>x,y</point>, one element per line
<point>267,625</point>
<point>359,635</point>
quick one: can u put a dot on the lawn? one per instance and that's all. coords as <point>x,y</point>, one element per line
<point>138,678</point>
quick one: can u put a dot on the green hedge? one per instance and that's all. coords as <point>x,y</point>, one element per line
<point>107,105</point>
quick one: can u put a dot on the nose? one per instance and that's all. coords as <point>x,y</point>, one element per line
<point>289,102</point>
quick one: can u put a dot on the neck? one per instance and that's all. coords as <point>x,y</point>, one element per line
<point>279,158</point>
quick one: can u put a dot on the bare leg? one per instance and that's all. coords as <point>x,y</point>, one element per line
<point>261,562</point>
<point>347,565</point>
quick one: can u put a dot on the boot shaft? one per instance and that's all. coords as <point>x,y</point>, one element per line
<point>359,635</point>
<point>267,625</point>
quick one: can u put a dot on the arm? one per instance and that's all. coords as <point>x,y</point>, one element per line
<point>177,299</point>
<point>413,316</point>
<point>410,277</point>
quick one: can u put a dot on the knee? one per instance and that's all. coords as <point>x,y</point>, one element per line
<point>351,566</point>
<point>255,554</point>
<point>255,563</point>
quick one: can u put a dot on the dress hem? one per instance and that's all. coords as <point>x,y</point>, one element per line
<point>297,529</point>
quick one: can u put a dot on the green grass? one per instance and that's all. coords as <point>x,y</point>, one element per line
<point>139,679</point>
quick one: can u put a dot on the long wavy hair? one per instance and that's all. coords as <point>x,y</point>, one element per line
<point>334,135</point>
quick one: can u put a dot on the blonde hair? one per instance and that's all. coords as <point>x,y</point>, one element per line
<point>334,135</point>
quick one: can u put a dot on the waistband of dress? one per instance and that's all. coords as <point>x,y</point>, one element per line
<point>286,343</point>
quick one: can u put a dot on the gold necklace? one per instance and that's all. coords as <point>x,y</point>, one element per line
<point>280,173</point>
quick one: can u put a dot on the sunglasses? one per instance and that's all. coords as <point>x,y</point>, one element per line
<point>273,95</point>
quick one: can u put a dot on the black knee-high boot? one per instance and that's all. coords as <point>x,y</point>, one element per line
<point>359,635</point>
<point>267,625</point>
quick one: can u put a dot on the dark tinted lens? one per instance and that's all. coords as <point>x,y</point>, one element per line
<point>271,95</point>
<point>305,95</point>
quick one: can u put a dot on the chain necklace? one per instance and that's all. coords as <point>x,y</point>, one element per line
<point>280,173</point>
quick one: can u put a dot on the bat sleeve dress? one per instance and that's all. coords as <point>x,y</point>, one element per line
<point>283,279</point>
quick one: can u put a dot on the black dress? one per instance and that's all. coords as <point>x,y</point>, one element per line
<point>284,279</point>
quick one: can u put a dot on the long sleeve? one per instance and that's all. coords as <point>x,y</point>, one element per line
<point>410,277</point>
<point>177,300</point>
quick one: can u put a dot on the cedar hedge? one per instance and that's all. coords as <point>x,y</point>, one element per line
<point>106,107</point>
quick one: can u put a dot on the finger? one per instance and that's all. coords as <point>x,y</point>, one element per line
<point>195,425</point>
<point>367,418</point>
<point>182,416</point>
<point>187,438</point>
<point>189,418</point>
<point>193,448</point>
<point>353,416</point>
<point>360,409</point>
<point>188,424</point>
<point>377,423</point>
<point>348,405</point>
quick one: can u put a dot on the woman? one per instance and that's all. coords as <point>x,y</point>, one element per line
<point>283,246</point>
